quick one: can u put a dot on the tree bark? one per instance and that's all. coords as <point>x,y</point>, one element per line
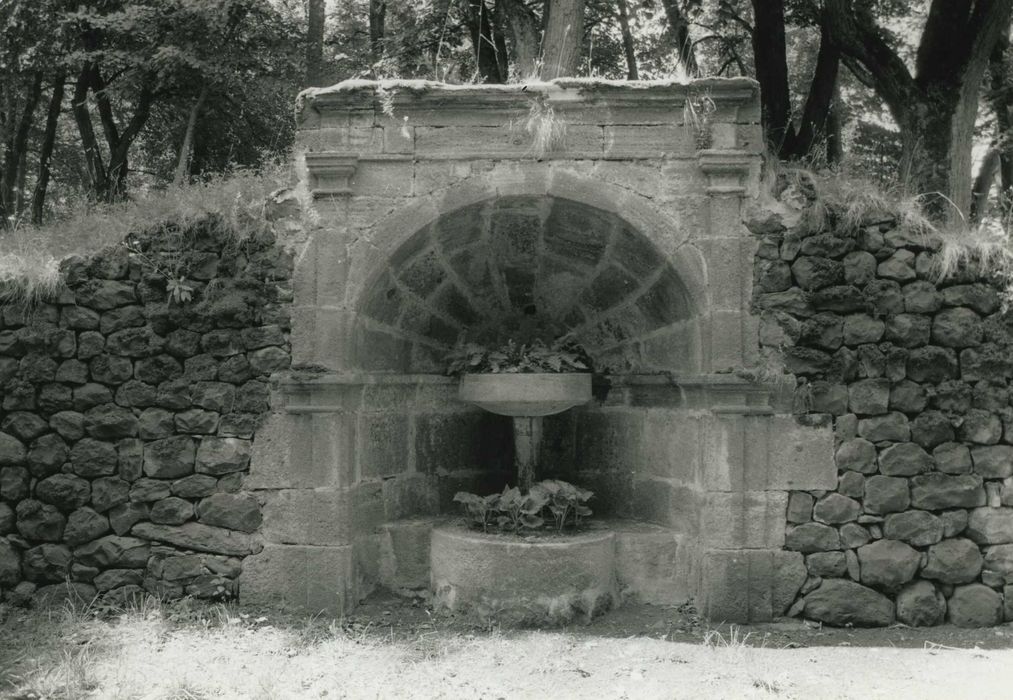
<point>1001,100</point>
<point>983,183</point>
<point>936,108</point>
<point>563,38</point>
<point>628,47</point>
<point>182,173</point>
<point>522,27</point>
<point>97,178</point>
<point>46,149</point>
<point>678,25</point>
<point>377,29</point>
<point>14,152</point>
<point>771,61</point>
<point>813,130</point>
<point>483,41</point>
<point>314,42</point>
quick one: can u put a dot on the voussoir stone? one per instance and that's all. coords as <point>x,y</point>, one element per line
<point>974,605</point>
<point>920,604</point>
<point>916,527</point>
<point>840,603</point>
<point>888,563</point>
<point>952,561</point>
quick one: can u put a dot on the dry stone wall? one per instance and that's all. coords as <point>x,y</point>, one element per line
<point>128,414</point>
<point>915,373</point>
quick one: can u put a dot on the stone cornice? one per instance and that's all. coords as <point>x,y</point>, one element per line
<point>581,100</point>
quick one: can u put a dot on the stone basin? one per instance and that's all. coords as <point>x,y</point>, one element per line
<point>526,394</point>
<point>538,580</point>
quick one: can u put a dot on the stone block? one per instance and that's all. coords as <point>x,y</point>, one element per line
<point>383,445</point>
<point>749,585</point>
<point>655,566</point>
<point>753,520</point>
<point>672,446</point>
<point>312,580</point>
<point>656,141</point>
<point>448,442</point>
<point>767,453</point>
<point>404,554</point>
<point>322,517</point>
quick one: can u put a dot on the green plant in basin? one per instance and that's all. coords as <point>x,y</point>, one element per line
<point>563,355</point>
<point>551,501</point>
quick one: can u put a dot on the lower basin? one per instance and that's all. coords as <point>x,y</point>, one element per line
<point>526,394</point>
<point>543,580</point>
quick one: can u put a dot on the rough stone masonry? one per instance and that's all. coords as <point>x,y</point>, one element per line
<point>127,417</point>
<point>914,372</point>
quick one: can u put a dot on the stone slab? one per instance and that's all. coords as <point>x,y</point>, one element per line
<point>314,580</point>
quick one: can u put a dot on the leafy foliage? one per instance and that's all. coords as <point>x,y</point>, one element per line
<point>564,355</point>
<point>551,501</point>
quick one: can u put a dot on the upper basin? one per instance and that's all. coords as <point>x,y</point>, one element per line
<point>529,394</point>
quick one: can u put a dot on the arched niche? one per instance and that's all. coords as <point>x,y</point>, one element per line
<point>524,266</point>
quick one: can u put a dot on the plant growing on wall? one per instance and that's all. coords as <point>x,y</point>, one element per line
<point>564,355</point>
<point>551,501</point>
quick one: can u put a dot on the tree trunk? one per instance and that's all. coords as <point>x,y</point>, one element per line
<point>1001,99</point>
<point>186,149</point>
<point>935,109</point>
<point>97,177</point>
<point>46,150</point>
<point>770,58</point>
<point>483,41</point>
<point>563,38</point>
<point>679,27</point>
<point>314,42</point>
<point>522,26</point>
<point>628,48</point>
<point>14,152</point>
<point>377,19</point>
<point>983,183</point>
<point>812,134</point>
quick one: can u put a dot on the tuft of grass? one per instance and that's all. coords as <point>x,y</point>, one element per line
<point>547,131</point>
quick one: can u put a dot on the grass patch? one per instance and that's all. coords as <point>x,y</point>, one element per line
<point>31,255</point>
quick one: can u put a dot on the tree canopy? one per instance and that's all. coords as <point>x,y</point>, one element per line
<point>102,98</point>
